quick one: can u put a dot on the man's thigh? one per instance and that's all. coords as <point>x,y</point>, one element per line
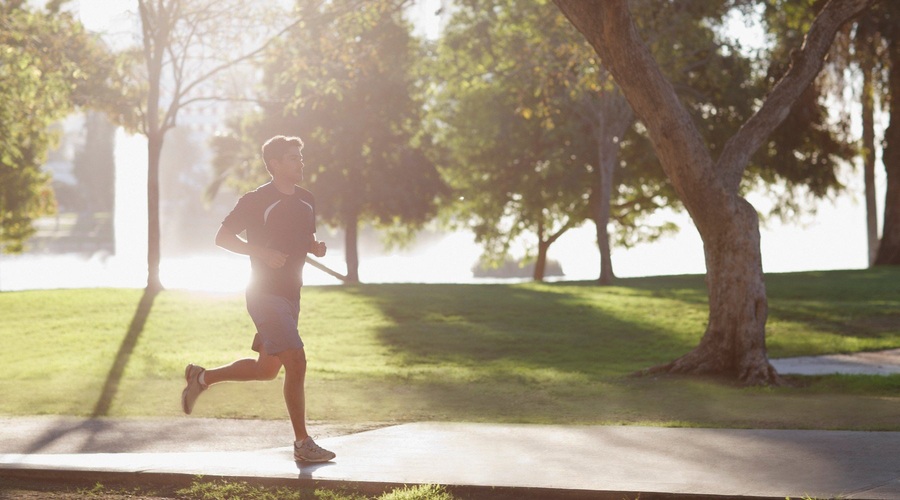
<point>276,323</point>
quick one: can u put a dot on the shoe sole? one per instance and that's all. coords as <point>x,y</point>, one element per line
<point>184,402</point>
<point>308,460</point>
<point>187,379</point>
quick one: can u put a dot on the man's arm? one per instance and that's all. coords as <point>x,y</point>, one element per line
<point>233,243</point>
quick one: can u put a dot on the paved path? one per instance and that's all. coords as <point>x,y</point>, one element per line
<point>545,461</point>
<point>555,461</point>
<point>862,363</point>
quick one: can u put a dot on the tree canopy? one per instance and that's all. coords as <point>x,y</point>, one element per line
<point>734,342</point>
<point>344,80</point>
<point>48,66</point>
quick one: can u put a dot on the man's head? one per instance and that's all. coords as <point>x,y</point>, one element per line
<point>282,156</point>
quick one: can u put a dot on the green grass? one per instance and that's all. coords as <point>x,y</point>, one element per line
<point>533,353</point>
<point>201,488</point>
<point>226,490</point>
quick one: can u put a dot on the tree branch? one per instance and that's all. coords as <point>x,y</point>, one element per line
<point>805,66</point>
<point>610,29</point>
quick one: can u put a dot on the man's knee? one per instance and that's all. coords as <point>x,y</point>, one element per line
<point>267,367</point>
<point>294,361</point>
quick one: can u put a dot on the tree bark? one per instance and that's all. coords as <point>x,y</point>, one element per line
<point>734,342</point>
<point>867,68</point>
<point>154,150</point>
<point>351,247</point>
<point>889,248</point>
<point>155,28</point>
<point>610,119</point>
<point>540,264</point>
<point>601,198</point>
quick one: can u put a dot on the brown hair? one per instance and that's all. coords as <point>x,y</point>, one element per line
<point>277,146</point>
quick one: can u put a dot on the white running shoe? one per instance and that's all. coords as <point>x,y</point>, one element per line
<point>308,451</point>
<point>193,389</point>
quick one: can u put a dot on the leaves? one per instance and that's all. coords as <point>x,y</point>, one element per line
<point>48,65</point>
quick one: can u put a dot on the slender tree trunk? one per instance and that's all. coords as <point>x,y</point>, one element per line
<point>601,198</point>
<point>889,249</point>
<point>155,28</point>
<point>610,117</point>
<point>540,265</point>
<point>351,247</point>
<point>868,137</point>
<point>154,149</point>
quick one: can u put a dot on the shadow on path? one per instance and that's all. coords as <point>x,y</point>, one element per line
<point>111,387</point>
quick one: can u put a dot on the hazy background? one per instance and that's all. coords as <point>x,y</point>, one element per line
<point>87,245</point>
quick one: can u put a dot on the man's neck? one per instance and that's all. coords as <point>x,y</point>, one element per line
<point>284,186</point>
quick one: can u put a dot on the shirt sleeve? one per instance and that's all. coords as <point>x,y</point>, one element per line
<point>239,218</point>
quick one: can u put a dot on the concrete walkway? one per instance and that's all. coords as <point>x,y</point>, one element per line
<point>861,363</point>
<point>521,460</point>
<point>540,461</point>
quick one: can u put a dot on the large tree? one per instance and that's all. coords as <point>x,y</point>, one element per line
<point>819,139</point>
<point>518,70</point>
<point>344,81</point>
<point>48,66</point>
<point>187,49</point>
<point>889,247</point>
<point>734,343</point>
<point>869,47</point>
<point>866,51</point>
<point>508,119</point>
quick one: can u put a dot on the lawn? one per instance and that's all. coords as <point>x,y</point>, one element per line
<point>531,353</point>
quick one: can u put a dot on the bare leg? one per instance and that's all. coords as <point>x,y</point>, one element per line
<point>294,362</point>
<point>265,367</point>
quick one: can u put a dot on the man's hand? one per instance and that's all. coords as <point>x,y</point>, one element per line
<point>318,248</point>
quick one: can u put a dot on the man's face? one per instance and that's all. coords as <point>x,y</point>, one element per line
<point>290,166</point>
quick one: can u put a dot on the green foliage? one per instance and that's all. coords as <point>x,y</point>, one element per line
<point>805,151</point>
<point>48,65</point>
<point>506,110</point>
<point>228,490</point>
<point>536,353</point>
<point>344,82</point>
<point>420,492</point>
<point>522,104</point>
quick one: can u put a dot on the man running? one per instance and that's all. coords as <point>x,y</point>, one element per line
<point>280,225</point>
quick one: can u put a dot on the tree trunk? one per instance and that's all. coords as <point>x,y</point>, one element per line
<point>155,38</point>
<point>540,265</point>
<point>351,247</point>
<point>601,198</point>
<point>734,344</point>
<point>868,137</point>
<point>610,116</point>
<point>889,249</point>
<point>154,149</point>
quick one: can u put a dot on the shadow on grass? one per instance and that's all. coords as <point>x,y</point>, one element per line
<point>861,303</point>
<point>544,352</point>
<point>94,427</point>
<point>499,329</point>
<point>111,386</point>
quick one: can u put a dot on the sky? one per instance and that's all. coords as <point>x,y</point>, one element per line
<point>834,238</point>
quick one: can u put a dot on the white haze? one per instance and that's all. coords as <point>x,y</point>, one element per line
<point>834,239</point>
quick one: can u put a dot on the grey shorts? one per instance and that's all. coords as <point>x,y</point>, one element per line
<point>276,320</point>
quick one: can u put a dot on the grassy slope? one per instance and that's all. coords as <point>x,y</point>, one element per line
<point>542,353</point>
